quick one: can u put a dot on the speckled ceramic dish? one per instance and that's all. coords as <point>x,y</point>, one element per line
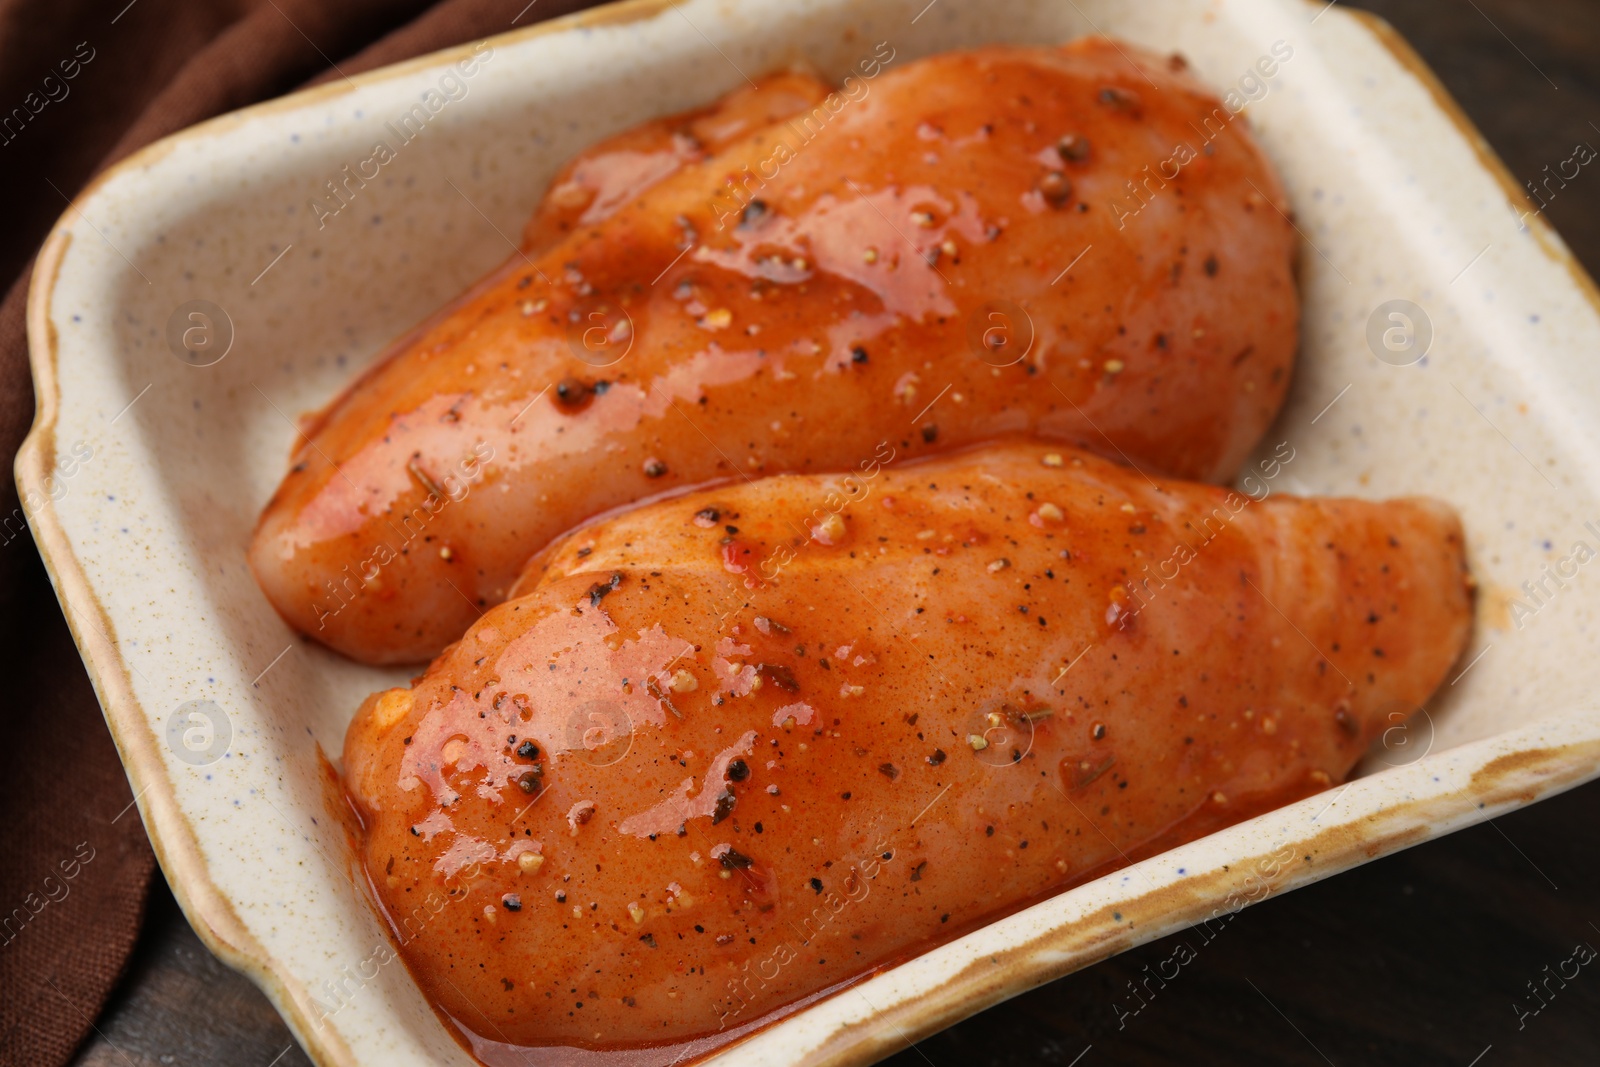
<point>145,471</point>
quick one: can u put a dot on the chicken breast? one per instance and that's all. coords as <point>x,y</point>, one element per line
<point>609,175</point>
<point>733,750</point>
<point>1073,242</point>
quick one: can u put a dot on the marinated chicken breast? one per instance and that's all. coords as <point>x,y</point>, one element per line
<point>1075,242</point>
<point>609,175</point>
<point>734,749</point>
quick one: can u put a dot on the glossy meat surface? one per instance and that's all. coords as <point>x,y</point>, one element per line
<point>607,176</point>
<point>736,748</point>
<point>745,298</point>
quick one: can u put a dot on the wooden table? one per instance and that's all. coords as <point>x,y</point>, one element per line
<point>1416,959</point>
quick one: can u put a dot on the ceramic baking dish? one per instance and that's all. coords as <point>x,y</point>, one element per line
<point>194,301</point>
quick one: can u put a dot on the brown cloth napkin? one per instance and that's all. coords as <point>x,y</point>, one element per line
<point>82,85</point>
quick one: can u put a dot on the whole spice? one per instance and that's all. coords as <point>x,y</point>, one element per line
<point>1056,187</point>
<point>1073,147</point>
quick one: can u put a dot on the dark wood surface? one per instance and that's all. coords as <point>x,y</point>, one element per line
<point>1416,959</point>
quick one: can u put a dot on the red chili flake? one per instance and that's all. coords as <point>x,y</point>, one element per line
<point>738,557</point>
<point>778,675</point>
<point>572,393</point>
